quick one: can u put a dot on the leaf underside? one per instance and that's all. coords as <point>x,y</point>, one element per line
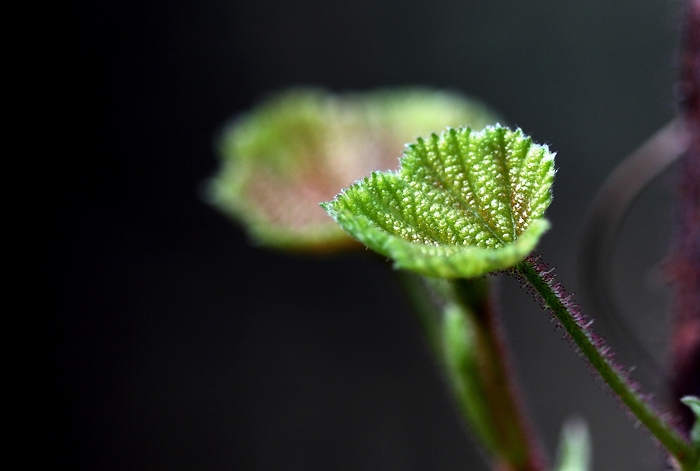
<point>463,203</point>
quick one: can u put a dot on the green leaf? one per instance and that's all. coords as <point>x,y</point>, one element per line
<point>299,147</point>
<point>463,203</point>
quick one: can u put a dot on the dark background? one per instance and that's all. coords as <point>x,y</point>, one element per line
<point>174,344</point>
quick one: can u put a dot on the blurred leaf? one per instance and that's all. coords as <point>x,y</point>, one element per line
<point>574,447</point>
<point>463,362</point>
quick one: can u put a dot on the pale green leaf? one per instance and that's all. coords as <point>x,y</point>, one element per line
<point>463,203</point>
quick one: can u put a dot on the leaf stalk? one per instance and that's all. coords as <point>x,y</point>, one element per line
<point>462,325</point>
<point>599,356</point>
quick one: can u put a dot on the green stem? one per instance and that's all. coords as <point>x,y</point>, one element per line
<point>495,378</point>
<point>599,356</point>
<point>462,327</point>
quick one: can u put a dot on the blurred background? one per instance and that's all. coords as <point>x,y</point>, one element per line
<point>174,344</point>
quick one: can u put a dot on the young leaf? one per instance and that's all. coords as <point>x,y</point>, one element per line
<point>462,204</point>
<point>299,147</point>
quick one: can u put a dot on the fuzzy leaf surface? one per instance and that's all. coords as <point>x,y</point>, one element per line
<point>463,203</point>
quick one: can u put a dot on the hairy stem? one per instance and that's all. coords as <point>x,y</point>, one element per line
<point>599,355</point>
